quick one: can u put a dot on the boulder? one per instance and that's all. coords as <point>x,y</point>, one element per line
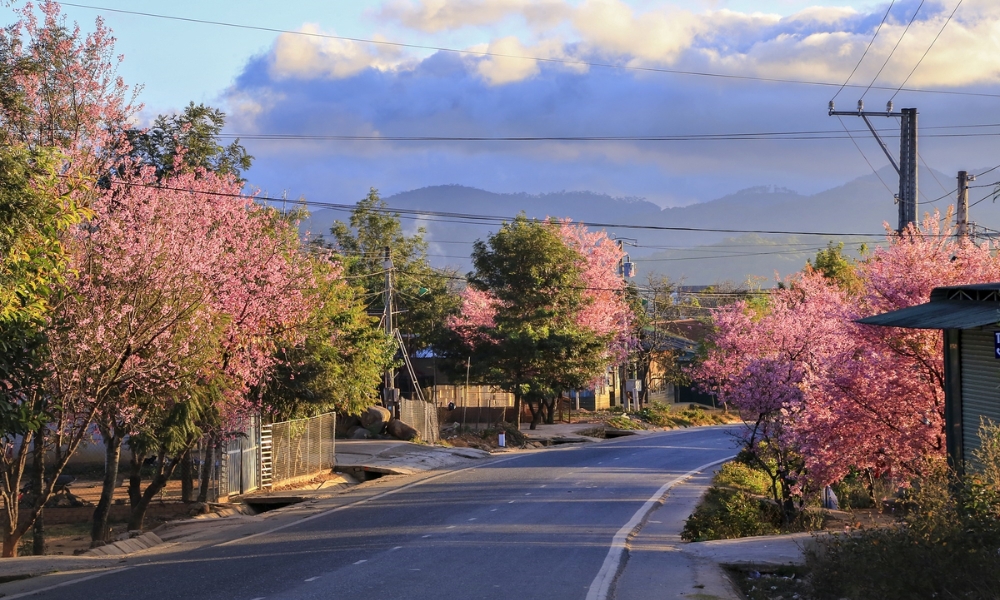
<point>358,433</point>
<point>344,424</point>
<point>375,418</point>
<point>401,431</point>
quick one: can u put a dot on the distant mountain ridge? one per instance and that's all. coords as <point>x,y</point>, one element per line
<point>860,206</point>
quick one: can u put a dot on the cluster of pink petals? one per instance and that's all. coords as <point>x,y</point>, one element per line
<point>867,397</point>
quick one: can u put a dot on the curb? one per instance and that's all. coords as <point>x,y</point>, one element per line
<point>125,547</point>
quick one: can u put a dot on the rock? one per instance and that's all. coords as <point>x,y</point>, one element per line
<point>375,418</point>
<point>344,424</point>
<point>359,433</point>
<point>401,431</point>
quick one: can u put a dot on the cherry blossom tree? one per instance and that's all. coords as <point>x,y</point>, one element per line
<point>871,397</point>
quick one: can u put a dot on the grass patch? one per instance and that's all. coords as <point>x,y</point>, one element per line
<point>691,415</point>
<point>624,422</point>
<point>738,505</point>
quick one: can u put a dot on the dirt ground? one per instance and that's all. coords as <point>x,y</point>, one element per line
<point>67,528</point>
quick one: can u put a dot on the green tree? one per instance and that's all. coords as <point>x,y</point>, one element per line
<point>193,137</point>
<point>534,348</point>
<point>424,296</point>
<point>836,267</point>
<point>339,362</point>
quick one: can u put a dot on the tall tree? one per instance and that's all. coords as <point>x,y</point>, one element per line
<point>189,141</point>
<point>424,296</point>
<point>532,319</point>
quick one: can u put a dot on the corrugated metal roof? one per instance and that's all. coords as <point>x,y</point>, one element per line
<point>940,314</point>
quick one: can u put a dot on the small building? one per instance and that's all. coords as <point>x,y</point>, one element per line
<point>969,315</point>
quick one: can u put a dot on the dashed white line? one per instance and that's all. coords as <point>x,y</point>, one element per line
<point>426,536</point>
<point>542,485</point>
<point>493,510</point>
<point>473,519</point>
<point>363,560</point>
<point>397,547</point>
<point>528,494</point>
<point>511,502</point>
<point>315,578</point>
<point>450,527</point>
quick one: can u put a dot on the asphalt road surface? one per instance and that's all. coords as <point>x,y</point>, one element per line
<point>529,525</point>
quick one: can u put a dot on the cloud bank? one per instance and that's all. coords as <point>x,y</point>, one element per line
<point>316,86</point>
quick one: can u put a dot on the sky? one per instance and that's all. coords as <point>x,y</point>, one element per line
<point>563,68</point>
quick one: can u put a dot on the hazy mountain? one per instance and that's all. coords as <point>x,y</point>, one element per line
<point>858,207</point>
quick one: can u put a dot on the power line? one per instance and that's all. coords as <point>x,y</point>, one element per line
<point>480,218</point>
<point>893,51</point>
<point>772,136</point>
<point>870,166</point>
<point>934,41</point>
<point>483,53</point>
<point>869,47</point>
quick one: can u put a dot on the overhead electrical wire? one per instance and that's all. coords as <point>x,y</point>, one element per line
<point>480,218</point>
<point>869,47</point>
<point>893,51</point>
<point>484,53</point>
<point>934,41</point>
<point>870,166</point>
<point>727,137</point>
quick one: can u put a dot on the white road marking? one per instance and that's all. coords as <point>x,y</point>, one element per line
<point>541,486</point>
<point>363,560</point>
<point>70,582</point>
<point>414,569</point>
<point>426,536</point>
<point>528,494</point>
<point>493,510</point>
<point>473,519</point>
<point>315,578</point>
<point>397,547</point>
<point>511,502</point>
<point>260,598</point>
<point>450,527</point>
<point>359,502</point>
<point>601,586</point>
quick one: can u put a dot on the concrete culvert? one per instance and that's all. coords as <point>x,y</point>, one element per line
<point>264,504</point>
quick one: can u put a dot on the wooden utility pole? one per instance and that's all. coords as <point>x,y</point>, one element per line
<point>906,168</point>
<point>962,203</point>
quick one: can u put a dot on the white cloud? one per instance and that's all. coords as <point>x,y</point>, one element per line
<point>433,16</point>
<point>308,56</point>
<point>507,68</point>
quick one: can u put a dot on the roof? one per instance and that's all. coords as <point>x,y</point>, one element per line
<point>951,307</point>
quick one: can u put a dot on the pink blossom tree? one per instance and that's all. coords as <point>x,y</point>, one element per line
<point>871,397</point>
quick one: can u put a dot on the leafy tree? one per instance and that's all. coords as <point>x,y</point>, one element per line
<point>832,264</point>
<point>190,141</point>
<point>522,314</point>
<point>340,363</point>
<point>424,296</point>
<point>870,398</point>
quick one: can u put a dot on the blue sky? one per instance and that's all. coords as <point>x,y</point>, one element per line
<point>289,84</point>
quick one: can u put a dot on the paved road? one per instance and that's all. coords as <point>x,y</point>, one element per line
<point>525,526</point>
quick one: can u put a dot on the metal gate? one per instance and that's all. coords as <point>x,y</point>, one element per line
<point>240,469</point>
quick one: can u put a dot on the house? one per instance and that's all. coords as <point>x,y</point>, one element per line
<point>969,315</point>
<point>671,346</point>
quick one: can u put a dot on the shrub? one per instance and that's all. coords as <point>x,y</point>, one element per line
<point>740,476</point>
<point>728,513</point>
<point>946,545</point>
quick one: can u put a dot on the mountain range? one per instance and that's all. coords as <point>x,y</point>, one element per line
<point>853,213</point>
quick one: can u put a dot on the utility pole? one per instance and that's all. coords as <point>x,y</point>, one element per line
<point>962,212</point>
<point>390,394</point>
<point>906,168</point>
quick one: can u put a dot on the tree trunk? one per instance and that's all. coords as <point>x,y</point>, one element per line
<point>187,477</point>
<point>517,412</point>
<point>536,415</point>
<point>112,457</point>
<point>135,478</point>
<point>38,460</point>
<point>206,469</point>
<point>163,475</point>
<point>550,414</point>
